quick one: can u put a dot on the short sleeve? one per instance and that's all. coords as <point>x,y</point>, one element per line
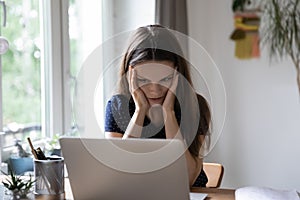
<point>201,180</point>
<point>117,114</point>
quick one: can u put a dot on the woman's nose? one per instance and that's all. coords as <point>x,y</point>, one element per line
<point>155,87</point>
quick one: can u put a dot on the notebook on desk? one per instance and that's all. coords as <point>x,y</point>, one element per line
<point>126,169</point>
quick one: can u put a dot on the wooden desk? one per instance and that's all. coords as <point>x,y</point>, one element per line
<point>213,193</point>
<point>216,193</point>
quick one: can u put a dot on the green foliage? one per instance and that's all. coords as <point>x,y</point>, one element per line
<point>54,142</point>
<point>238,5</point>
<point>17,184</point>
<point>281,28</point>
<point>21,64</point>
<point>280,31</point>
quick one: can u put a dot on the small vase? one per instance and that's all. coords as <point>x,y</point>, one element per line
<point>18,195</point>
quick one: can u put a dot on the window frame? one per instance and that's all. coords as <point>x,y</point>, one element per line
<point>56,103</point>
<point>55,71</point>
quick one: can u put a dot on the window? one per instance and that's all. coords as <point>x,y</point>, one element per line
<point>92,23</point>
<point>21,71</point>
<point>85,33</point>
<point>49,42</point>
<point>33,71</point>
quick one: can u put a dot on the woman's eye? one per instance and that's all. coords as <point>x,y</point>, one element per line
<point>141,80</point>
<point>167,79</point>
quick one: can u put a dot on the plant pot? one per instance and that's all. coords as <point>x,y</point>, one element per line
<point>56,152</point>
<point>18,195</point>
<point>21,165</point>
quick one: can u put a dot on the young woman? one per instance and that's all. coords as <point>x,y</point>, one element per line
<point>156,98</point>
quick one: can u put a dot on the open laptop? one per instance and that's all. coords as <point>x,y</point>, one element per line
<point>117,169</point>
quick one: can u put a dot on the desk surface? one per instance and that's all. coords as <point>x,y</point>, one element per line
<point>216,193</point>
<point>212,193</point>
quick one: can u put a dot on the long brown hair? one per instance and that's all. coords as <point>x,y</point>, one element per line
<point>157,43</point>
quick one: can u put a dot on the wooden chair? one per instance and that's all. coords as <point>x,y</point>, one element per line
<point>214,173</point>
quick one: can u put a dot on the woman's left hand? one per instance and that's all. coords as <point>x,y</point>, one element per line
<point>168,104</point>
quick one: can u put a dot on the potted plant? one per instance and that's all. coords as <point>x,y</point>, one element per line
<point>19,187</point>
<point>280,30</point>
<point>52,145</point>
<point>20,160</point>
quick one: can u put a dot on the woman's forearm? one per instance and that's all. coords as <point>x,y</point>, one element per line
<point>194,166</point>
<point>135,126</point>
<point>172,129</point>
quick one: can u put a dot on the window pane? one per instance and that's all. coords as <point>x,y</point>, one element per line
<point>85,23</point>
<point>95,21</point>
<point>21,69</point>
<point>85,32</point>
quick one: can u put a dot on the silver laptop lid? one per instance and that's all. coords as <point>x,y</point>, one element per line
<point>126,169</point>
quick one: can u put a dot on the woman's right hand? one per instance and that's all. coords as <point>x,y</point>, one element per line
<point>140,100</point>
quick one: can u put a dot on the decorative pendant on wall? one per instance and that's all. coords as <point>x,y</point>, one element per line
<point>246,22</point>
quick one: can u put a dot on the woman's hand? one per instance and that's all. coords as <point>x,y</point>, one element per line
<point>140,100</point>
<point>169,101</point>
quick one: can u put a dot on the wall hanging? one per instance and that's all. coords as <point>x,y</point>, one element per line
<point>247,14</point>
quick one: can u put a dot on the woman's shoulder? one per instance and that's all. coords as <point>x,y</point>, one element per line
<point>118,99</point>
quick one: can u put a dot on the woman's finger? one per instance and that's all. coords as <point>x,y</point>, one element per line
<point>134,82</point>
<point>174,82</point>
<point>129,75</point>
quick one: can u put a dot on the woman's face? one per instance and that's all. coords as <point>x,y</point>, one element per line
<point>154,78</point>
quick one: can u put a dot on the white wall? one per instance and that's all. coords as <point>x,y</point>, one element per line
<point>259,144</point>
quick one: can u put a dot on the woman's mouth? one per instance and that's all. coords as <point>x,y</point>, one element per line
<point>158,100</point>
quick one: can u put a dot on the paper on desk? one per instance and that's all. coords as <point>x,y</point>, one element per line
<point>197,196</point>
<point>1,191</point>
<point>265,193</point>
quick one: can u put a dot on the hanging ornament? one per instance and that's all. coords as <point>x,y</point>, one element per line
<point>246,23</point>
<point>4,45</point>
